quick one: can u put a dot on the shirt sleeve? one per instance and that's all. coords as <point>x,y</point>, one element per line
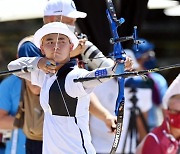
<point>83,88</point>
<point>24,62</point>
<point>144,104</point>
<point>98,60</point>
<point>72,88</point>
<point>10,89</point>
<point>5,97</point>
<point>151,146</point>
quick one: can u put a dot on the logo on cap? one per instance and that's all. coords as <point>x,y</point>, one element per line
<point>57,11</point>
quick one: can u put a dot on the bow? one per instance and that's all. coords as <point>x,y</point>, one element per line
<point>118,53</point>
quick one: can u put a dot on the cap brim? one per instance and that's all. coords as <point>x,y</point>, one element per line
<point>48,30</point>
<point>77,14</point>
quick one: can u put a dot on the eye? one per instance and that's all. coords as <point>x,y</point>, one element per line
<point>50,42</point>
<point>62,41</point>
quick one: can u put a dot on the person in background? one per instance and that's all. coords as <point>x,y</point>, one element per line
<point>146,59</point>
<point>10,94</point>
<point>33,113</point>
<point>166,137</point>
<point>102,137</point>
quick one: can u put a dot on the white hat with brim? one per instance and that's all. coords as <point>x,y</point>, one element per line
<point>55,27</point>
<point>63,7</point>
<point>76,14</point>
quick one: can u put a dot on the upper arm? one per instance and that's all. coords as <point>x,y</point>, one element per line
<point>72,88</point>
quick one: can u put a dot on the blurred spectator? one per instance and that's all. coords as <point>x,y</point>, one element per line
<point>164,139</point>
<point>10,92</point>
<point>147,60</point>
<point>33,113</point>
<point>11,89</point>
<point>102,137</point>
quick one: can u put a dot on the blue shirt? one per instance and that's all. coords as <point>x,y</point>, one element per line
<point>10,92</point>
<point>160,83</point>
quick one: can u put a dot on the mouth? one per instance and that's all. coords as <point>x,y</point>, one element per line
<point>57,53</point>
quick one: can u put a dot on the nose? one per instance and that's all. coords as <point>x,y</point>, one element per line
<point>56,47</point>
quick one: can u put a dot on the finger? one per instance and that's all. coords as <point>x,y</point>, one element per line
<point>80,45</point>
<point>51,67</point>
<point>45,69</point>
<point>113,129</point>
<point>83,40</point>
<point>50,63</point>
<point>48,68</point>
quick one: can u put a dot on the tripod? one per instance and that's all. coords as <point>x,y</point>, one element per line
<point>132,130</point>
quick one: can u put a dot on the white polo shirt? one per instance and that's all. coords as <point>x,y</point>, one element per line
<point>65,134</point>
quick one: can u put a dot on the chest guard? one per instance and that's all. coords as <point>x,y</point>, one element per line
<point>60,102</point>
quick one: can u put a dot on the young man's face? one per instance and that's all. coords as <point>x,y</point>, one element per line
<point>173,114</point>
<point>56,47</point>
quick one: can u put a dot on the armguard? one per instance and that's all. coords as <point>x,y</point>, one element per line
<point>94,57</point>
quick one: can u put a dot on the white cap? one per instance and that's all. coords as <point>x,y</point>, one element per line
<point>55,27</point>
<point>63,7</point>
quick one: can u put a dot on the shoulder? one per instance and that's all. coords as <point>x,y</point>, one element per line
<point>158,78</point>
<point>78,72</point>
<point>10,85</point>
<point>138,82</point>
<point>72,88</point>
<point>151,144</point>
<point>10,80</point>
<point>28,48</point>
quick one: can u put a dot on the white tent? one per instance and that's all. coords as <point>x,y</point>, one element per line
<point>21,9</point>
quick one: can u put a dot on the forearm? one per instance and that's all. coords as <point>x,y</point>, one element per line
<point>23,62</point>
<point>102,113</point>
<point>94,57</point>
<point>6,122</point>
<point>97,109</point>
<point>97,73</point>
